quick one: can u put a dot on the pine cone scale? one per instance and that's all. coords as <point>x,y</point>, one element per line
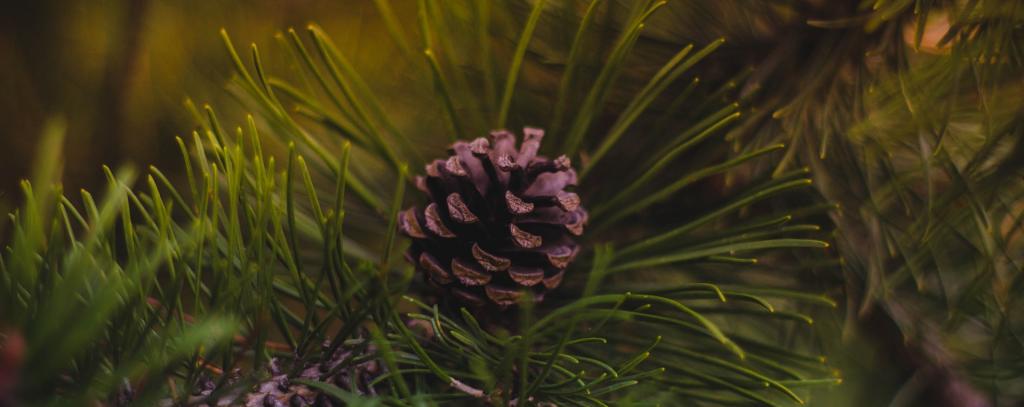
<point>458,210</point>
<point>490,261</point>
<point>469,273</point>
<point>526,276</point>
<point>434,269</point>
<point>434,222</point>
<point>516,205</point>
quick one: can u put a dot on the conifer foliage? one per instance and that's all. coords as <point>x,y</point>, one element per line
<point>635,251</point>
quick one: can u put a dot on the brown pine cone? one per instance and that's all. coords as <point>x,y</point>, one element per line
<point>500,221</point>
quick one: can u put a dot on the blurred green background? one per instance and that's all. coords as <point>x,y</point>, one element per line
<point>117,72</point>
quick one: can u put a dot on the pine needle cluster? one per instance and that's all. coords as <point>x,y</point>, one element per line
<point>272,272</point>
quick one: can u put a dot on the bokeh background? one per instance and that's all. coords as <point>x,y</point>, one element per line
<point>117,72</point>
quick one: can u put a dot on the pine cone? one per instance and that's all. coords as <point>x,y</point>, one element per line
<point>499,221</point>
<point>281,390</point>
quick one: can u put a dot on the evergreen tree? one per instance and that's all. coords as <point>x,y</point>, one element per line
<point>712,203</point>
